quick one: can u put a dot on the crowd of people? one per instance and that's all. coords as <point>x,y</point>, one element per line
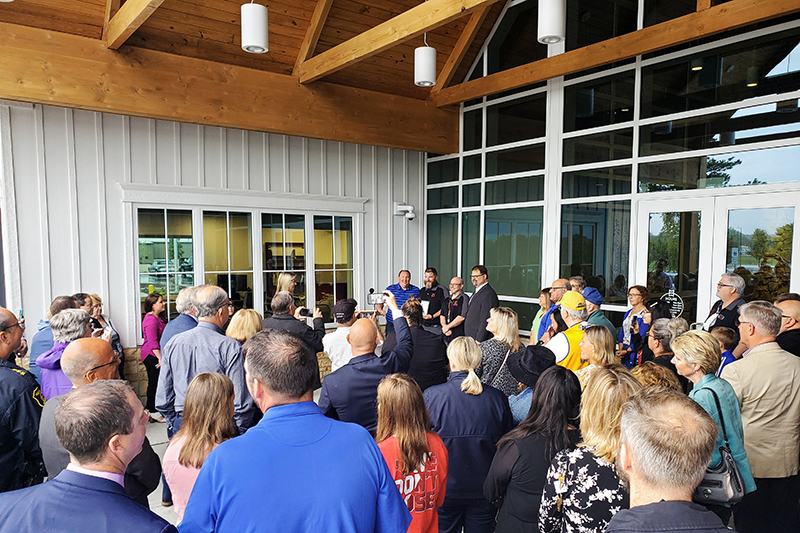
<point>447,422</point>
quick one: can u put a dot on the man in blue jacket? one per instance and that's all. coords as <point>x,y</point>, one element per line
<point>349,394</point>
<point>102,425</point>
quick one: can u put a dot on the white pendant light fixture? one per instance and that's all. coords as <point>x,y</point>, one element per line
<point>552,21</point>
<point>254,28</point>
<point>425,65</point>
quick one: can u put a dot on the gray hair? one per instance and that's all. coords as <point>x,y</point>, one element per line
<point>91,415</point>
<point>580,314</point>
<point>185,300</point>
<point>281,303</point>
<point>580,280</point>
<point>208,299</point>
<point>69,324</point>
<point>669,436</point>
<point>666,330</point>
<point>764,316</point>
<point>736,280</point>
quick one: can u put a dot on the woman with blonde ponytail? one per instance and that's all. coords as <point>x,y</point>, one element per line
<point>470,417</point>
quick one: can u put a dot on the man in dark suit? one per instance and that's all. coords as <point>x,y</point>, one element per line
<point>86,361</point>
<point>287,317</point>
<point>102,425</point>
<point>349,394</point>
<point>186,320</point>
<point>483,300</point>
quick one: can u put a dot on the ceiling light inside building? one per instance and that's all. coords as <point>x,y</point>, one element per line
<point>552,21</point>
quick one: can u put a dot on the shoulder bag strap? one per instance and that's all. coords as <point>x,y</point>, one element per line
<point>500,367</point>
<point>719,410</point>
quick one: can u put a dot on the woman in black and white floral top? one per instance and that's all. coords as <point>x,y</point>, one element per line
<point>583,491</point>
<point>504,325</point>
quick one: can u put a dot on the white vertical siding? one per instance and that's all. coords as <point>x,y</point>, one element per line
<point>66,167</point>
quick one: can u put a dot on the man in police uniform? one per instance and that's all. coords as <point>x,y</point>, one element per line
<point>21,403</point>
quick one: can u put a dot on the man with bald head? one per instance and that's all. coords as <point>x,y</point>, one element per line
<point>558,289</point>
<point>789,337</point>
<point>86,361</point>
<point>349,393</point>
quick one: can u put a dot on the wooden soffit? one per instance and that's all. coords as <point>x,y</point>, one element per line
<point>422,18</point>
<point>46,67</point>
<point>709,21</point>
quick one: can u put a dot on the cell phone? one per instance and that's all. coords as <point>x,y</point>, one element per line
<point>21,314</point>
<point>366,314</point>
<point>306,312</point>
<point>374,299</point>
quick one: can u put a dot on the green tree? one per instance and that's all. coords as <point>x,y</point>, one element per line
<point>782,245</point>
<point>760,244</point>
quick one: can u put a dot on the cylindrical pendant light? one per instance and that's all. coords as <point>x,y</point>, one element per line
<point>552,21</point>
<point>254,28</point>
<point>752,76</point>
<point>425,65</point>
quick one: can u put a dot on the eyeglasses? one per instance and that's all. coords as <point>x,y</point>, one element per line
<point>738,322</point>
<point>634,294</point>
<point>786,316</point>
<point>564,288</point>
<point>114,361</point>
<point>456,284</point>
<point>12,326</point>
<point>723,285</point>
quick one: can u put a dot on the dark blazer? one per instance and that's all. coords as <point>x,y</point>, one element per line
<point>77,502</point>
<point>480,303</point>
<point>349,393</point>
<point>429,364</point>
<point>179,324</point>
<point>312,336</point>
<point>141,477</point>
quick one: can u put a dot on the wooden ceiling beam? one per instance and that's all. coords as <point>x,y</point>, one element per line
<point>127,20</point>
<point>412,23</point>
<point>51,68</point>
<point>702,5</point>
<point>461,47</point>
<point>724,17</point>
<point>309,43</point>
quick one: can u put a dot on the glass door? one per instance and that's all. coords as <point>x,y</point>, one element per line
<point>754,238</point>
<point>672,259</point>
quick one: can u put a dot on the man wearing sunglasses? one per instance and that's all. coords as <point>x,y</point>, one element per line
<point>86,361</point>
<point>21,403</point>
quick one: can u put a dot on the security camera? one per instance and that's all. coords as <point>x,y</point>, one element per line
<point>405,210</point>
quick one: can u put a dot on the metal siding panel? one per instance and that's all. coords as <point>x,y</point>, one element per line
<point>190,155</point>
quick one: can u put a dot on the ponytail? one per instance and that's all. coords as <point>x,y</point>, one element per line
<point>464,354</point>
<point>472,383</point>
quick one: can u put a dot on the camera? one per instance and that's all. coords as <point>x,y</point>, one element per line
<point>410,215</point>
<point>306,312</point>
<point>374,299</point>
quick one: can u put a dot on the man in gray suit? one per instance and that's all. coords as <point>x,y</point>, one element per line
<point>86,361</point>
<point>766,381</point>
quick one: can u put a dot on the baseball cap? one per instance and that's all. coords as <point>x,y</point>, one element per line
<point>590,294</point>
<point>573,300</point>
<point>344,309</point>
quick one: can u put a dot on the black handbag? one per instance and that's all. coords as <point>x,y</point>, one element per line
<point>723,484</point>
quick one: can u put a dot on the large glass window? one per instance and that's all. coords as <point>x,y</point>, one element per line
<point>592,21</point>
<point>516,120</point>
<point>333,262</point>
<point>443,171</point>
<point>228,251</point>
<point>442,244</point>
<point>764,66</point>
<point>470,242</point>
<point>443,198</point>
<point>599,102</point>
<point>284,242</point>
<point>166,254</point>
<point>598,147</point>
<point>514,42</point>
<point>513,250</point>
<point>597,182</point>
<point>595,241</point>
<point>774,165</point>
<point>516,190</point>
<point>523,159</point>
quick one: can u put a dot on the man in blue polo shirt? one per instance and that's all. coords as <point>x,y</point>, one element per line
<point>403,291</point>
